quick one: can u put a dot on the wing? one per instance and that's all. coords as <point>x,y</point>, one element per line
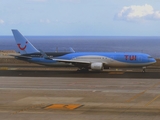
<point>72,61</point>
<point>64,60</point>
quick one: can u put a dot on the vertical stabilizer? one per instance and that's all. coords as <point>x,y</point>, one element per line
<point>23,44</point>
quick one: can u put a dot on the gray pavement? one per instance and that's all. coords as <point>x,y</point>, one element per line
<point>135,73</point>
<point>28,98</point>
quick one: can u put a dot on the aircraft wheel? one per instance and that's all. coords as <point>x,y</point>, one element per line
<point>144,69</point>
<point>83,70</point>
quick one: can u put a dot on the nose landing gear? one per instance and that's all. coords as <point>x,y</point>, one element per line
<point>143,69</point>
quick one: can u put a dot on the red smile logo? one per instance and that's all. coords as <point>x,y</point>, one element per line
<point>22,48</point>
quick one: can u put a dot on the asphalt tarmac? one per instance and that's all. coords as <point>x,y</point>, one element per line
<point>135,73</point>
<point>66,98</point>
<point>38,93</point>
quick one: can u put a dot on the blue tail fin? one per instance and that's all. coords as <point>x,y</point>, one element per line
<point>23,44</point>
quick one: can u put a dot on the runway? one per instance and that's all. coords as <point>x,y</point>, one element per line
<point>38,92</point>
<point>134,73</point>
<point>66,98</point>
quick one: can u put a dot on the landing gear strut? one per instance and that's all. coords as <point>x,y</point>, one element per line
<point>83,70</point>
<point>144,69</point>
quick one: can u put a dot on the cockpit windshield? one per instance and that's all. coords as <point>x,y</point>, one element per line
<point>150,57</point>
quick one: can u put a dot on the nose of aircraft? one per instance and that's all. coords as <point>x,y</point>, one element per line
<point>153,60</point>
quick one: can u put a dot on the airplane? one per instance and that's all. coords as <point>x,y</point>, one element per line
<point>96,61</point>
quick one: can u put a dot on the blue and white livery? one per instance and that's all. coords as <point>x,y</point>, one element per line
<point>90,60</point>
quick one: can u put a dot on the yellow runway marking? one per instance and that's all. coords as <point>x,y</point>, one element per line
<point>64,106</point>
<point>136,96</point>
<point>152,100</point>
<point>116,73</point>
<point>141,93</point>
<point>3,68</point>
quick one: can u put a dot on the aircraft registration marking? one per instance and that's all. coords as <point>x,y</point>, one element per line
<point>64,106</point>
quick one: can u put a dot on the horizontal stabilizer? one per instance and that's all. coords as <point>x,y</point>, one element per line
<point>21,56</point>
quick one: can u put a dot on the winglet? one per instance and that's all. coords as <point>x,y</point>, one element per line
<point>44,54</point>
<point>71,49</point>
<point>23,44</point>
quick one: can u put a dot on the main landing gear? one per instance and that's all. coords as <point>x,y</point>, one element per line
<point>83,70</point>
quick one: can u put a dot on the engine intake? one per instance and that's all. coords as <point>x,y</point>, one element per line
<point>97,66</point>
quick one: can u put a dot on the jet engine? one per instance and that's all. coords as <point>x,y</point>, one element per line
<point>97,66</point>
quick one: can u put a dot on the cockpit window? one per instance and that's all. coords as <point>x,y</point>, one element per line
<point>150,57</point>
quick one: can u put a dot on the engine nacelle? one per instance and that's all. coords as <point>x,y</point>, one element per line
<point>97,66</point>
